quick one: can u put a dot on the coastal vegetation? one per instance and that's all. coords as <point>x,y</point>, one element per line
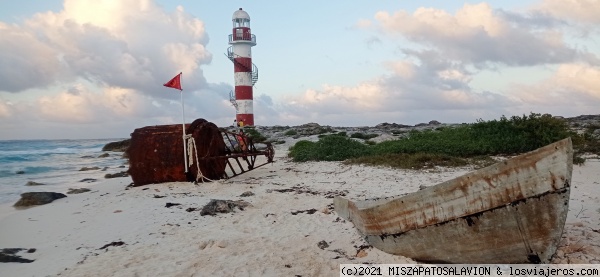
<point>473,143</point>
<point>254,134</point>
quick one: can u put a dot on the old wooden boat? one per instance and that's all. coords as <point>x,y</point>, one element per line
<point>510,212</point>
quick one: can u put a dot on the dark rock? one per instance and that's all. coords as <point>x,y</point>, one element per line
<point>310,211</point>
<point>89,168</point>
<point>434,122</point>
<point>20,172</point>
<point>246,194</point>
<point>86,157</point>
<point>422,187</point>
<point>8,258</point>
<point>222,206</point>
<point>79,190</point>
<point>32,183</point>
<point>37,198</point>
<point>386,125</point>
<point>421,125</point>
<point>116,175</point>
<point>322,244</point>
<point>117,146</point>
<point>104,155</point>
<point>104,169</point>
<point>31,250</point>
<point>169,204</point>
<point>88,180</point>
<point>11,251</point>
<point>114,243</point>
<point>310,125</point>
<point>159,196</point>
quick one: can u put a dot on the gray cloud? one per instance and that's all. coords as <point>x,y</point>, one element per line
<point>481,36</point>
<point>126,52</point>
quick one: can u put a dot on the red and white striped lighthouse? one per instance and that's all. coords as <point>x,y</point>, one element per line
<point>245,72</point>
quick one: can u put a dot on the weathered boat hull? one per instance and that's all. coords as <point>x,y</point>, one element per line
<point>511,212</point>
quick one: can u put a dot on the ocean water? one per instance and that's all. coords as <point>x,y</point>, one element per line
<point>55,163</point>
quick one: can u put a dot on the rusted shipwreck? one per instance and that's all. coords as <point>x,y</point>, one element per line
<point>510,212</point>
<point>156,153</point>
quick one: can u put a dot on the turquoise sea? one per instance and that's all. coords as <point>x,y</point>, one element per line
<point>54,163</point>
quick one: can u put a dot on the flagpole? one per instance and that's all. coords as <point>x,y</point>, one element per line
<point>185,162</point>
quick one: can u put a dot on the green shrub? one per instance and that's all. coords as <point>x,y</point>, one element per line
<point>363,136</point>
<point>254,134</point>
<point>291,132</point>
<point>302,151</point>
<point>328,148</point>
<point>340,134</point>
<point>504,136</point>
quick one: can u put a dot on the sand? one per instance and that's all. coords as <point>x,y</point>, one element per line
<point>280,234</point>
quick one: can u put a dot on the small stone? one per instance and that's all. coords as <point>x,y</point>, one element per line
<point>246,194</point>
<point>222,206</point>
<point>79,190</point>
<point>222,244</point>
<point>169,204</point>
<point>89,168</point>
<point>322,244</point>
<point>20,172</point>
<point>422,187</point>
<point>361,254</point>
<point>104,155</point>
<point>116,175</point>
<point>32,183</point>
<point>117,211</point>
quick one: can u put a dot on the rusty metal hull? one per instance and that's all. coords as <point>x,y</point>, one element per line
<point>208,143</point>
<point>156,155</point>
<point>511,212</point>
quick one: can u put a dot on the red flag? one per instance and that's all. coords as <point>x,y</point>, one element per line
<point>175,82</point>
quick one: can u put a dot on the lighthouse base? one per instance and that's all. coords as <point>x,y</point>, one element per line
<point>248,119</point>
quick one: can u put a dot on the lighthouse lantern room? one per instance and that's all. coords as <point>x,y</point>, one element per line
<point>245,72</point>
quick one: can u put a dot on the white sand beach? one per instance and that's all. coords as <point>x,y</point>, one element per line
<point>278,235</point>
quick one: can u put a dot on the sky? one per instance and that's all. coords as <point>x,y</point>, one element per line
<point>77,69</point>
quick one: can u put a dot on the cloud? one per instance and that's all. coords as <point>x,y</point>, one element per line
<point>129,44</point>
<point>5,109</point>
<point>481,36</point>
<point>585,11</point>
<point>572,86</point>
<point>415,91</point>
<point>103,63</point>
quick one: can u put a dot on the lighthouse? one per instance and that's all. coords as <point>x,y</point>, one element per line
<point>245,73</point>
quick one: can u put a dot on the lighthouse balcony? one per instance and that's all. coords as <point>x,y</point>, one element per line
<point>242,38</point>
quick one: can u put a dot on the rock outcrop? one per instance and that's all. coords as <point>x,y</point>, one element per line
<point>37,198</point>
<point>117,146</point>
